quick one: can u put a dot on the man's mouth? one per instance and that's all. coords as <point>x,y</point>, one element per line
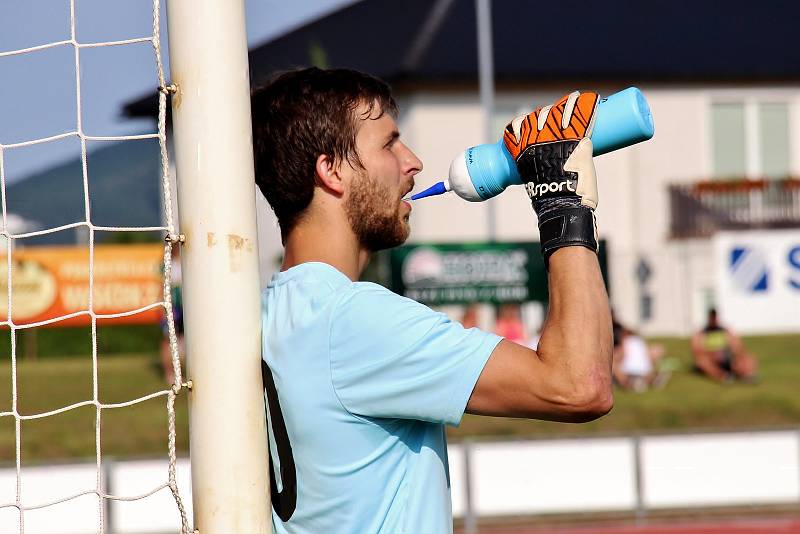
<point>408,191</point>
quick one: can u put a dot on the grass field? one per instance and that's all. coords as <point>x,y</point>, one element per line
<point>48,384</point>
<point>687,402</point>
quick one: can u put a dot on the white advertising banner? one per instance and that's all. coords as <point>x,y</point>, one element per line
<point>758,280</point>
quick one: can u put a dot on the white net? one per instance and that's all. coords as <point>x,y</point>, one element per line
<point>26,504</point>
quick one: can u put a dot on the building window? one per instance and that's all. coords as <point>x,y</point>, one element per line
<point>750,139</point>
<point>773,130</point>
<point>728,140</point>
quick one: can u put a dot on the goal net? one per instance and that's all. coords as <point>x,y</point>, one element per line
<point>21,509</point>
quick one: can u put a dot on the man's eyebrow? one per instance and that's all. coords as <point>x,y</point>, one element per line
<point>394,134</point>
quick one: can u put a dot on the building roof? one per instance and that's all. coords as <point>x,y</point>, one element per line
<point>424,42</point>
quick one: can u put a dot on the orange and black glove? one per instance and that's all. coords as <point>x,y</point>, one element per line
<point>553,153</point>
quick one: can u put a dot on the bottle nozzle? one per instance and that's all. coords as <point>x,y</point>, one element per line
<point>436,189</point>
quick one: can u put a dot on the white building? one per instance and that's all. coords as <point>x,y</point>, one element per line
<point>723,86</point>
<point>702,133</point>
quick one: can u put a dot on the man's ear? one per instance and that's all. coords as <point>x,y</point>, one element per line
<point>329,175</point>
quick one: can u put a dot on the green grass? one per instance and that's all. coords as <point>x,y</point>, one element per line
<point>59,342</point>
<point>48,384</point>
<point>688,402</point>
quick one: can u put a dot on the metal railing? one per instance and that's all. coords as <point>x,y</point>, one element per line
<point>641,474</point>
<point>701,209</point>
<point>492,480</point>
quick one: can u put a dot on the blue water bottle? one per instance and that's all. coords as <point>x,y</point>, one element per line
<point>484,171</point>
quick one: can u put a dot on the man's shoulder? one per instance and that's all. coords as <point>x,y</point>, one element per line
<point>311,278</point>
<point>375,312</point>
<point>371,289</point>
<point>369,297</point>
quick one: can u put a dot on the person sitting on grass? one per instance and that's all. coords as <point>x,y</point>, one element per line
<point>638,365</point>
<point>509,323</point>
<point>720,354</point>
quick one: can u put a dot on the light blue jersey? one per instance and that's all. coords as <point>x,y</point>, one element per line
<point>365,381</point>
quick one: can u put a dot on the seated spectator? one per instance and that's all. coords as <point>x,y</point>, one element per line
<point>637,365</point>
<point>720,354</point>
<point>470,317</point>
<point>617,331</point>
<point>509,324</point>
<point>640,364</point>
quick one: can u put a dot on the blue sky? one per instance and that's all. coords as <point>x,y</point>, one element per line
<point>37,90</point>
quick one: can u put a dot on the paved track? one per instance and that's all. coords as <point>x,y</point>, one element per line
<point>745,526</point>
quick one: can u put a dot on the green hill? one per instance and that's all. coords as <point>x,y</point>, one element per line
<point>124,183</point>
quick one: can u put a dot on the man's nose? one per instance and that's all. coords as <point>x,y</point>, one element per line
<point>411,163</point>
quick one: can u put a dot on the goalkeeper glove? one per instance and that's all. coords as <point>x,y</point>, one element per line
<point>553,153</point>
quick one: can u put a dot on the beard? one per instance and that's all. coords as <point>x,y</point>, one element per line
<point>374,215</point>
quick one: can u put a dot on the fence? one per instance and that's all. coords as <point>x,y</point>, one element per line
<point>633,474</point>
<point>703,208</point>
<point>493,478</point>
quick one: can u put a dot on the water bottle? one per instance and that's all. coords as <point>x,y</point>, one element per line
<point>484,171</point>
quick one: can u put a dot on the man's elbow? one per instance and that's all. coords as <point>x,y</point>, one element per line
<point>595,405</point>
<point>592,393</point>
<point>590,401</point>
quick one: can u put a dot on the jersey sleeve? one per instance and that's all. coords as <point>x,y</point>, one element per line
<point>396,358</point>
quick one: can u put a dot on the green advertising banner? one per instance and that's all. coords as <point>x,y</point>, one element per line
<point>460,273</point>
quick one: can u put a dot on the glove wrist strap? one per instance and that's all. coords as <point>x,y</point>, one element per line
<point>566,228</point>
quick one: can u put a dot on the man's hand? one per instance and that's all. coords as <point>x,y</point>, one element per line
<point>568,376</point>
<point>553,152</point>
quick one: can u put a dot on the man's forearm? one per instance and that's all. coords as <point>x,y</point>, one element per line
<point>552,149</point>
<point>577,338</point>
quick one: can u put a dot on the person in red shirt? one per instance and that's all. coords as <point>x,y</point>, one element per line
<point>509,324</point>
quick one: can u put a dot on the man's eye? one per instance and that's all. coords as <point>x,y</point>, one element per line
<point>392,140</point>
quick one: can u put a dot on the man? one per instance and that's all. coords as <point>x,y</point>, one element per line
<point>720,354</point>
<point>637,365</point>
<point>360,381</point>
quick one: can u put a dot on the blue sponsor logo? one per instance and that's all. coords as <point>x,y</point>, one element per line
<point>749,269</point>
<point>794,266</point>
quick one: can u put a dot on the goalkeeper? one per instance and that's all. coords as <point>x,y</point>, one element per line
<point>360,381</point>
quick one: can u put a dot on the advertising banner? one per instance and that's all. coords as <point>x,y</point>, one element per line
<point>462,273</point>
<point>51,282</point>
<point>758,280</point>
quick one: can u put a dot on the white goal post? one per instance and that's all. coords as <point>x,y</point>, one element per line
<point>216,199</point>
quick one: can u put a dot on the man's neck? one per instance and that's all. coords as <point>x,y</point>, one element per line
<point>315,241</point>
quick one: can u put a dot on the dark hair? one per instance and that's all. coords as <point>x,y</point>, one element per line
<point>300,115</point>
<point>711,318</point>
